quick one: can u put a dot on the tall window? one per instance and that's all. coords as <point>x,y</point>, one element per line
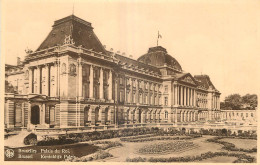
<point>166,101</point>
<point>121,96</point>
<point>166,115</point>
<point>166,88</point>
<point>121,80</point>
<point>140,98</point>
<point>133,97</point>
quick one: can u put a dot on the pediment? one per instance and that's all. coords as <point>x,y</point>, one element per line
<point>188,79</point>
<point>37,97</point>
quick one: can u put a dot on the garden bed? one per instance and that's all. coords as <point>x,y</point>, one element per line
<point>230,146</point>
<point>241,158</point>
<point>166,147</point>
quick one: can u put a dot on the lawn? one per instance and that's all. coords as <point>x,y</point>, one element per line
<point>131,150</point>
<point>241,143</point>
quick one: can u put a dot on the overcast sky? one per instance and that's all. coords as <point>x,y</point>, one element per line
<point>217,38</point>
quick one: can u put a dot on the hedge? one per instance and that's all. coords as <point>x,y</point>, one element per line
<point>241,158</point>
<point>230,146</point>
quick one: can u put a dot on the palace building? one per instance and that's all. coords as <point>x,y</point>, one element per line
<point>72,81</point>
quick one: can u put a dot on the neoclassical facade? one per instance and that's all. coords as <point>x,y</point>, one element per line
<point>71,80</point>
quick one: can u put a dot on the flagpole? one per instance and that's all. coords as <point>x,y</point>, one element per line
<point>157,37</point>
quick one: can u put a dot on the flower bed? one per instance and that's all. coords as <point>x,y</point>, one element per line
<point>154,137</point>
<point>107,144</point>
<point>229,146</point>
<point>242,158</point>
<point>165,147</point>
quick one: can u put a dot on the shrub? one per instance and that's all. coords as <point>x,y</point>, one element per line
<point>30,139</point>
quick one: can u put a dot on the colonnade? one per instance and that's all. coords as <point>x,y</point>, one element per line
<point>188,116</point>
<point>216,102</point>
<point>91,81</point>
<point>43,79</point>
<point>184,96</point>
<point>142,92</point>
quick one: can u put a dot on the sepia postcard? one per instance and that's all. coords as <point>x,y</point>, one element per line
<point>129,81</point>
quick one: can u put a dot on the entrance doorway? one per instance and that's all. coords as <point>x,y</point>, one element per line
<point>35,115</point>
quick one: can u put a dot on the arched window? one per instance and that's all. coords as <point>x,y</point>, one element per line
<point>166,115</point>
<point>72,69</point>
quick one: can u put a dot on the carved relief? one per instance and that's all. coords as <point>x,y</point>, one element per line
<point>68,40</point>
<point>188,80</point>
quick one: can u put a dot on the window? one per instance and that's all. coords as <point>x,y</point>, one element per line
<point>121,80</point>
<point>140,98</point>
<point>52,114</point>
<point>252,115</point>
<point>134,84</point>
<point>166,101</point>
<point>166,114</point>
<point>133,97</point>
<point>121,96</point>
<point>246,114</point>
<point>166,88</point>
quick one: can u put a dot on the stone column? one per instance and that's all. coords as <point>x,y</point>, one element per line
<point>91,79</point>
<point>130,91</point>
<point>58,79</point>
<point>188,96</point>
<point>110,83</point>
<point>103,117</point>
<point>42,114</point>
<point>93,115</point>
<point>137,111</point>
<point>22,108</point>
<point>181,94</point>
<point>30,80</point>
<point>185,95</point>
<point>47,81</point>
<point>193,97</point>
<point>175,95</point>
<point>29,114</point>
<point>38,79</point>
<point>80,79</point>
<point>101,93</point>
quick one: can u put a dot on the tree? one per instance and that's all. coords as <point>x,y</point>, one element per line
<point>9,87</point>
<point>233,101</point>
<point>249,101</point>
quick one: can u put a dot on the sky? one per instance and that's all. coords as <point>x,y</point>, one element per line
<point>218,38</point>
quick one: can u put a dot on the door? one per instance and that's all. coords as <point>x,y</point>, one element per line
<point>35,115</point>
